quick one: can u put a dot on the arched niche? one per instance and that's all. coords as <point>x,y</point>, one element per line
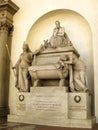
<point>77,28</point>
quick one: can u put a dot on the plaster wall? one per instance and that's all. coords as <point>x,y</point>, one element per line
<point>30,11</point>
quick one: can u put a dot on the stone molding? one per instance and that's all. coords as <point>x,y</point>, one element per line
<point>9,6</point>
<point>6,19</point>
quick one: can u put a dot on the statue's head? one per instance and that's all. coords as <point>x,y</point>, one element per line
<point>64,58</point>
<point>74,58</point>
<point>57,23</point>
<point>25,47</point>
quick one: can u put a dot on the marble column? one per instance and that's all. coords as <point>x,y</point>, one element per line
<point>7,11</point>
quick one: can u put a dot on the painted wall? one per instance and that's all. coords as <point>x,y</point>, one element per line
<point>31,10</point>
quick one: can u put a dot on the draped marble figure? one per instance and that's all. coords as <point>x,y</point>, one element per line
<point>59,37</point>
<point>23,79</point>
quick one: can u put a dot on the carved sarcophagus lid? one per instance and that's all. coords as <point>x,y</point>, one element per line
<point>52,55</point>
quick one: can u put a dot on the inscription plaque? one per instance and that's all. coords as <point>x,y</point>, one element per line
<point>49,104</point>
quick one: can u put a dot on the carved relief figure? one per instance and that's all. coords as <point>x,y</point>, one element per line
<point>59,37</point>
<point>79,75</point>
<point>22,74</point>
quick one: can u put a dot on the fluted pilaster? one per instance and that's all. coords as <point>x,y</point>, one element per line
<point>7,10</point>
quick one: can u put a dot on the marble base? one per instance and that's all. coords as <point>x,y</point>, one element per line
<point>53,106</point>
<point>71,123</point>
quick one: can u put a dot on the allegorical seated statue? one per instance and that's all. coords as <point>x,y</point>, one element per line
<point>23,80</point>
<point>59,37</point>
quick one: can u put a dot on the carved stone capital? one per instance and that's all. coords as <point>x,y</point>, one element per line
<point>6,26</point>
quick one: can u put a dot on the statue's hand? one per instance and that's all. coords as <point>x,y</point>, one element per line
<point>61,62</point>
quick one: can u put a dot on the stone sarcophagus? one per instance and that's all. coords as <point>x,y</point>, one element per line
<point>47,71</point>
<point>46,66</point>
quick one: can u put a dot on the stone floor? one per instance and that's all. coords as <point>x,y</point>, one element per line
<point>18,126</point>
<point>4,125</point>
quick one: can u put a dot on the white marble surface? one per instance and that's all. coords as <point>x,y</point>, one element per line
<point>54,107</point>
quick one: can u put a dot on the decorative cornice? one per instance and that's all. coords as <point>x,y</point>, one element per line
<point>9,6</point>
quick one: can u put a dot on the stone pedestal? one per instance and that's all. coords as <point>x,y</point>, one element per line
<point>7,10</point>
<point>53,106</point>
<point>79,105</point>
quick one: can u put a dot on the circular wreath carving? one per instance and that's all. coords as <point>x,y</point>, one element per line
<point>77,98</point>
<point>21,97</point>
